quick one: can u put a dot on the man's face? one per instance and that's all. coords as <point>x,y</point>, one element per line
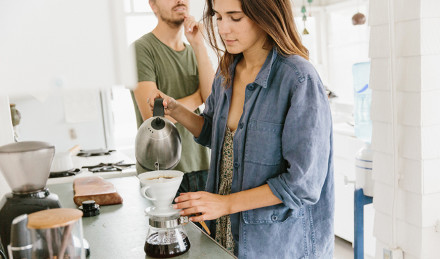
<point>171,12</point>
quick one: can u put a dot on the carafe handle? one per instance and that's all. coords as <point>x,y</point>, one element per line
<point>143,192</point>
<point>183,220</point>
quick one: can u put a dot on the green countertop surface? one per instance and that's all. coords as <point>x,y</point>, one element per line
<point>120,230</point>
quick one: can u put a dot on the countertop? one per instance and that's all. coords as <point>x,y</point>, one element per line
<point>120,230</point>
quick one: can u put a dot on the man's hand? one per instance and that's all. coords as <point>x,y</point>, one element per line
<point>211,206</point>
<point>193,31</point>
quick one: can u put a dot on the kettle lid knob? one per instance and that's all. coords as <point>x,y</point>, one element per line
<point>158,123</point>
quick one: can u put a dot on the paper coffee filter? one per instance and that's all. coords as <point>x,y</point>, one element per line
<point>162,179</point>
<point>161,176</point>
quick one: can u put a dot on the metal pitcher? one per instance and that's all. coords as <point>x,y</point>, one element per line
<point>158,144</point>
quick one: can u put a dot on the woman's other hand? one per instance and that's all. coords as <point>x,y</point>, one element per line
<point>211,206</point>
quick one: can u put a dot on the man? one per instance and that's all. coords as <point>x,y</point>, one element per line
<point>166,64</point>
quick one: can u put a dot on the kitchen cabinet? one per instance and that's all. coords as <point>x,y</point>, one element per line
<point>345,147</point>
<point>120,230</point>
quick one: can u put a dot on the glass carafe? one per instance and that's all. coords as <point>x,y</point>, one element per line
<point>166,237</point>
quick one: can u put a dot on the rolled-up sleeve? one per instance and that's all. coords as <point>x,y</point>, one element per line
<point>205,136</point>
<point>306,143</point>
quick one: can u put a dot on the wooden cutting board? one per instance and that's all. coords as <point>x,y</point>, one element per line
<point>95,188</point>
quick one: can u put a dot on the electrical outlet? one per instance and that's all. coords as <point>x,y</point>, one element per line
<point>396,253</point>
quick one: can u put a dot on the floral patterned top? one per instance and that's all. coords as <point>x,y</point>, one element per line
<point>223,234</point>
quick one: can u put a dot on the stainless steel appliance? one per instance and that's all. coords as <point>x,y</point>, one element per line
<point>26,167</point>
<point>158,144</point>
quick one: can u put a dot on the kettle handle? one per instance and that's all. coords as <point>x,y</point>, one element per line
<point>158,109</point>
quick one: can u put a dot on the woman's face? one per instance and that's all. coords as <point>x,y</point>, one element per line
<point>238,32</point>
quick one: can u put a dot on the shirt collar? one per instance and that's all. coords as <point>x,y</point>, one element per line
<point>265,70</point>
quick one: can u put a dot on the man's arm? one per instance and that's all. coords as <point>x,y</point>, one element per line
<point>148,90</point>
<point>193,32</point>
<point>206,72</point>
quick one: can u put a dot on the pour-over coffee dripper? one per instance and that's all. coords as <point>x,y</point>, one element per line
<point>166,236</point>
<point>160,187</point>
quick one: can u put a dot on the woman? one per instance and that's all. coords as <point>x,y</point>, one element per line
<point>268,124</point>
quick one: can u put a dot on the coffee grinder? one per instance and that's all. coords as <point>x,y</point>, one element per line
<point>26,167</point>
<point>158,146</point>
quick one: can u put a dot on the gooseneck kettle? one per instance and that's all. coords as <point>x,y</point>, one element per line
<point>158,144</point>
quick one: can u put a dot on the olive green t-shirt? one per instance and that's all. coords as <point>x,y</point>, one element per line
<point>175,74</point>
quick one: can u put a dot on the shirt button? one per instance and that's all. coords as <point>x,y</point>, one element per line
<point>251,87</point>
<point>236,164</point>
<point>274,217</point>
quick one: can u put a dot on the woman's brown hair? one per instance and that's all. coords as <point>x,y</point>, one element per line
<point>275,17</point>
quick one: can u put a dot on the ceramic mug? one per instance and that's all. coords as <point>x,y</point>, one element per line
<point>160,187</point>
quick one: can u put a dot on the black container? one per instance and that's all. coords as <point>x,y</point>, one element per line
<point>13,205</point>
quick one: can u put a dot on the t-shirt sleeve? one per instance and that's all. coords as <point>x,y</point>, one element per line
<point>145,63</point>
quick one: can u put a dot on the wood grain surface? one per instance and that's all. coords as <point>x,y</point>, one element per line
<point>53,218</point>
<point>95,188</point>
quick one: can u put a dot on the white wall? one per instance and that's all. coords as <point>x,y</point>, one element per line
<point>63,118</point>
<point>346,45</point>
<point>404,53</point>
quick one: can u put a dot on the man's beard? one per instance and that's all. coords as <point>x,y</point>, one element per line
<point>171,22</point>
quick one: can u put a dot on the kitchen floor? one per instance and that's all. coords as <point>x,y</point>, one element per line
<point>344,250</point>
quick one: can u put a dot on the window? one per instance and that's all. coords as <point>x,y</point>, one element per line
<point>347,45</point>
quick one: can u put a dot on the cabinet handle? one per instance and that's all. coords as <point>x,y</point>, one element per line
<point>347,181</point>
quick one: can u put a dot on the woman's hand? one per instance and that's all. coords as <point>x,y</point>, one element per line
<point>169,103</point>
<point>211,206</point>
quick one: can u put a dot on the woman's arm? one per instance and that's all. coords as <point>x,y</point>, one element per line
<point>148,90</point>
<point>180,113</point>
<point>187,118</point>
<point>213,206</point>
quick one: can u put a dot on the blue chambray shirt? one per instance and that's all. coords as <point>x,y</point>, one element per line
<point>284,139</point>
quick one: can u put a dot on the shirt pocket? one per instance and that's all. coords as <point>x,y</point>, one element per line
<point>268,215</point>
<point>263,143</point>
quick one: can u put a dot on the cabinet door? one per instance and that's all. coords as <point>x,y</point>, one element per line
<point>345,149</point>
<point>344,209</point>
